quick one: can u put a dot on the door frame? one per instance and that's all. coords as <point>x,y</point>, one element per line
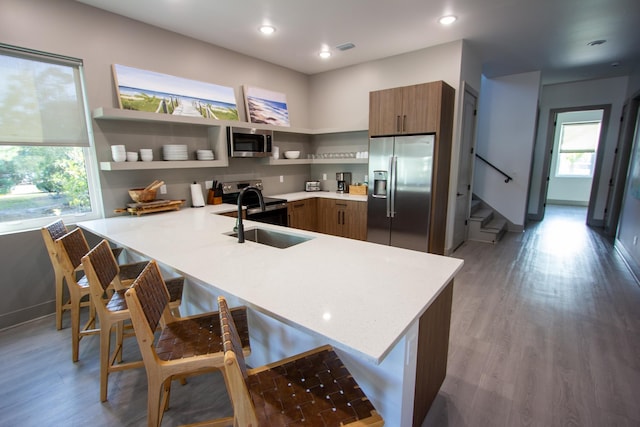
<point>551,130</point>
<point>621,164</point>
<point>465,161</point>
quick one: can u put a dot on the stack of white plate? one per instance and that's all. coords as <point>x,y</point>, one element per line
<point>174,152</point>
<point>204,154</point>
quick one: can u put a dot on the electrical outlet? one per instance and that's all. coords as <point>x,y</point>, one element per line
<point>281,178</point>
<point>208,184</point>
<point>163,189</point>
<point>324,176</point>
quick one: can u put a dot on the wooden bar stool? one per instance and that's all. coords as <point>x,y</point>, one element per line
<point>103,274</point>
<point>184,346</point>
<point>70,249</point>
<point>50,233</point>
<point>313,388</point>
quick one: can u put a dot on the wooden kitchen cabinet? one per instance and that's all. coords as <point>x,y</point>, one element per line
<point>404,110</point>
<point>303,214</point>
<point>426,108</point>
<point>343,218</point>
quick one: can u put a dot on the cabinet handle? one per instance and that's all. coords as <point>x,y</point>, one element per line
<point>398,123</point>
<point>299,205</point>
<point>404,123</point>
<point>341,204</point>
<point>338,218</point>
<point>342,217</point>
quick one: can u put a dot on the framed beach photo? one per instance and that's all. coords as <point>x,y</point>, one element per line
<point>265,106</point>
<point>143,90</point>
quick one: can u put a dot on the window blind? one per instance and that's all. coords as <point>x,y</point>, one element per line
<point>41,99</point>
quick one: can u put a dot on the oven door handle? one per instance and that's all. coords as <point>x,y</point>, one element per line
<point>267,208</point>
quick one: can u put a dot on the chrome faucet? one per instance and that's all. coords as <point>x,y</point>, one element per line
<point>240,196</point>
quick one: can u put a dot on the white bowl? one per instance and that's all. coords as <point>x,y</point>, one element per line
<point>292,154</point>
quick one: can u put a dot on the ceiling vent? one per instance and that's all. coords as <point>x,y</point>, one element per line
<point>345,46</point>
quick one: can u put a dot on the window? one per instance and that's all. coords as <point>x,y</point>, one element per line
<point>47,165</point>
<point>577,149</point>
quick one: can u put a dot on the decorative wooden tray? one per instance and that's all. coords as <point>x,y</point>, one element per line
<point>142,208</point>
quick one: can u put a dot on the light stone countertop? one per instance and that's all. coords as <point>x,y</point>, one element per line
<point>362,297</point>
<point>301,195</point>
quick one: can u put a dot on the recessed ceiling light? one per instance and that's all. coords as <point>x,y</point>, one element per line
<point>448,19</point>
<point>596,42</point>
<point>267,29</point>
<point>324,54</point>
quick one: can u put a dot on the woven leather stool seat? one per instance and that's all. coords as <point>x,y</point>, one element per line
<point>311,389</point>
<point>175,287</point>
<point>314,390</point>
<point>198,335</point>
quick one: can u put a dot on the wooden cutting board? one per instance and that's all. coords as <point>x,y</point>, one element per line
<point>142,208</point>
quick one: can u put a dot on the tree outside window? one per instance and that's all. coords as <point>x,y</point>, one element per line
<point>577,149</point>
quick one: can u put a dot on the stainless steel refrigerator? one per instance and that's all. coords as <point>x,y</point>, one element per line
<point>399,195</point>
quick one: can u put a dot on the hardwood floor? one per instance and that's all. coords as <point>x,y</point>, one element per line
<point>545,332</point>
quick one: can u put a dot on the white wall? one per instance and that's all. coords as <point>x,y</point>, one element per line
<point>340,98</point>
<point>629,224</point>
<point>579,94</point>
<point>572,190</point>
<point>506,128</point>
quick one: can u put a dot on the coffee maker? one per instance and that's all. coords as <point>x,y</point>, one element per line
<point>344,181</point>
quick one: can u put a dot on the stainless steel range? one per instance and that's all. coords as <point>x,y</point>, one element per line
<point>275,209</point>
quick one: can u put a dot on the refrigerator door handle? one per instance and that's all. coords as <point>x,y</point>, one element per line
<point>391,201</point>
<point>388,189</point>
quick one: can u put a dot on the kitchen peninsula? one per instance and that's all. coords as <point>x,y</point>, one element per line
<point>386,310</point>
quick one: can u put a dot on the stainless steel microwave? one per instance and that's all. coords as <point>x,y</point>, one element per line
<point>249,142</point>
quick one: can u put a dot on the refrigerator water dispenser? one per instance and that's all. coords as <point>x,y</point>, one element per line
<point>380,184</point>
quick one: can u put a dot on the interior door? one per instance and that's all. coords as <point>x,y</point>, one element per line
<point>465,169</point>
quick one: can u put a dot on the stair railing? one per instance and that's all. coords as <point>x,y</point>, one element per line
<point>507,177</point>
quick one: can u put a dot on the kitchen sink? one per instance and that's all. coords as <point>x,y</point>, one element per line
<point>272,238</point>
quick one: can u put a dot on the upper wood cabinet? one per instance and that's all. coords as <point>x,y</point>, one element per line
<point>421,109</point>
<point>405,110</point>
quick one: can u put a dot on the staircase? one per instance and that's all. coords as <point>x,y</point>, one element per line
<point>483,225</point>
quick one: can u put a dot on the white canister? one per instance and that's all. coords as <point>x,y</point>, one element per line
<point>275,152</point>
<point>132,156</point>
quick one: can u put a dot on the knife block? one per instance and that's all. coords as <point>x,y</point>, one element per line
<point>213,199</point>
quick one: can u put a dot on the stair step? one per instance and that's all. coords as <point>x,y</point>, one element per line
<point>475,205</point>
<point>481,214</point>
<point>490,231</point>
<point>496,224</point>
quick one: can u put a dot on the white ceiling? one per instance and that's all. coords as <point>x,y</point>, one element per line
<point>510,36</point>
